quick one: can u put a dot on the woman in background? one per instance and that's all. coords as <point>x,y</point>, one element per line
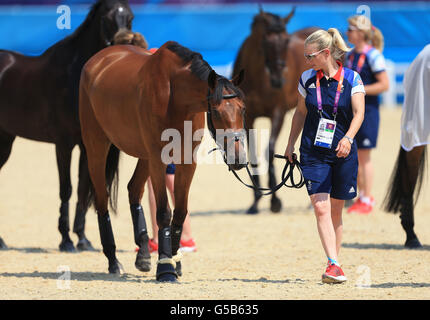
<point>366,58</point>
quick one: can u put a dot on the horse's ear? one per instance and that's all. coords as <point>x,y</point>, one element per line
<point>287,18</point>
<point>260,8</point>
<point>237,80</point>
<point>212,81</point>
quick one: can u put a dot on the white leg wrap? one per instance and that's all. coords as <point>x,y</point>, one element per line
<point>177,257</point>
<point>167,261</point>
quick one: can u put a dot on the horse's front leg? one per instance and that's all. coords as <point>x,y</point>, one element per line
<point>277,120</point>
<point>253,157</point>
<point>183,177</point>
<point>166,265</point>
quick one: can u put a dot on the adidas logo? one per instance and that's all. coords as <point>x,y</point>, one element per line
<point>312,86</point>
<point>352,190</point>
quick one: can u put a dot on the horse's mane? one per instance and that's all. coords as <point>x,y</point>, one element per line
<point>87,22</point>
<point>202,69</point>
<point>275,23</point>
<point>84,26</point>
<point>80,30</point>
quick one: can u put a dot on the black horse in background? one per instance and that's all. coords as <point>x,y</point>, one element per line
<point>405,183</point>
<point>39,101</point>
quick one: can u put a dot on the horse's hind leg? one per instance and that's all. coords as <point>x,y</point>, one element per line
<point>64,154</point>
<point>183,177</point>
<point>6,142</point>
<point>96,165</point>
<point>84,186</point>
<point>97,146</point>
<point>135,193</point>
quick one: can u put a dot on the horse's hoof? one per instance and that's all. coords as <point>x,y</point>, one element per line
<point>167,277</point>
<point>84,245</point>
<point>67,246</point>
<point>166,273</point>
<point>115,268</point>
<point>252,210</point>
<point>142,264</point>
<point>413,244</point>
<point>143,258</point>
<point>2,244</point>
<point>275,205</point>
<point>178,268</point>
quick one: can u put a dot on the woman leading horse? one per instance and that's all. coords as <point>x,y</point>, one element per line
<point>128,98</point>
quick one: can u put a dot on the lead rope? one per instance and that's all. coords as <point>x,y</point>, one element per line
<point>285,177</point>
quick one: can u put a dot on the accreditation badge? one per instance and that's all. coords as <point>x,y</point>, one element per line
<point>325,133</point>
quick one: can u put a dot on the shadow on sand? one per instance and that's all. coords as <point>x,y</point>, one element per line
<point>381,246</point>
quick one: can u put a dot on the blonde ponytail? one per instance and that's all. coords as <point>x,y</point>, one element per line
<point>377,39</point>
<point>330,39</point>
<point>372,34</point>
<point>338,45</point>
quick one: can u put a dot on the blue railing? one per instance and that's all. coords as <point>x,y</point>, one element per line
<point>217,31</point>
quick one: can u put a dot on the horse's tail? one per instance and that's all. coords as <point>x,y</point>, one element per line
<point>404,182</point>
<point>112,179</point>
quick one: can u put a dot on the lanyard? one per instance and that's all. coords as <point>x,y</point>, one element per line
<point>338,91</point>
<point>361,59</point>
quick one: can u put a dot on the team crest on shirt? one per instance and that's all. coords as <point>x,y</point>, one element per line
<point>309,185</point>
<point>359,81</point>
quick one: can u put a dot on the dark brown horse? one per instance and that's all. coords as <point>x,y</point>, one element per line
<point>406,181</point>
<point>39,101</point>
<point>131,98</point>
<point>273,62</point>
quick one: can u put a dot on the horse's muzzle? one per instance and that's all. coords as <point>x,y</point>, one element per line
<point>234,146</point>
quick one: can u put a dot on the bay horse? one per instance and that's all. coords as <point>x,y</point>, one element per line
<point>128,98</point>
<point>39,101</point>
<point>273,62</point>
<point>404,189</point>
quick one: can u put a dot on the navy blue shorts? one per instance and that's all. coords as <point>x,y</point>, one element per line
<point>337,177</point>
<point>367,136</point>
<point>171,168</point>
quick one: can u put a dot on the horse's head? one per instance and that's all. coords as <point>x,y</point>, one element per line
<point>115,16</point>
<point>226,118</point>
<point>275,43</point>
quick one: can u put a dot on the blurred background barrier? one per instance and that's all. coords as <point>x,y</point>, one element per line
<point>216,28</point>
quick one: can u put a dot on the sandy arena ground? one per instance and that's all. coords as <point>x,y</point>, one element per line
<point>265,256</point>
